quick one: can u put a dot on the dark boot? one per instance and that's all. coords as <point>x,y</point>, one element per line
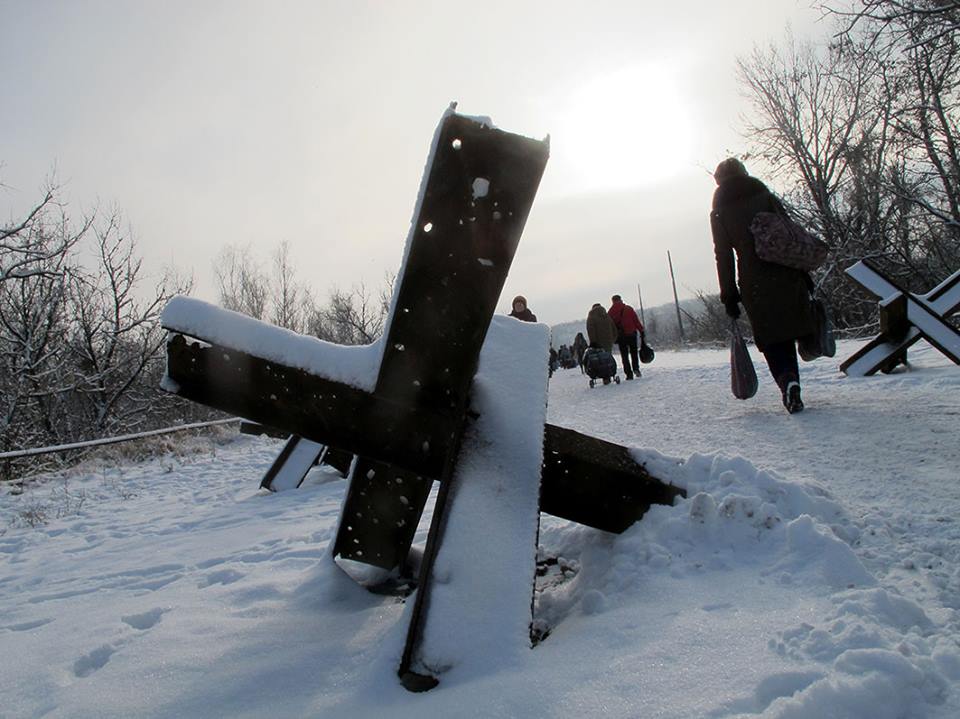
<point>791,398</point>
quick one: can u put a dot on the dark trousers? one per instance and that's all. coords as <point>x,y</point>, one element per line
<point>628,354</point>
<point>782,360</point>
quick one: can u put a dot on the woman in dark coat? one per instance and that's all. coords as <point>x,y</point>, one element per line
<point>777,298</point>
<point>521,311</point>
<point>579,347</point>
<point>600,328</point>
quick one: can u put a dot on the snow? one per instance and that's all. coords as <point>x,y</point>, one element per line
<point>813,570</point>
<point>488,555</point>
<point>480,187</point>
<point>301,458</point>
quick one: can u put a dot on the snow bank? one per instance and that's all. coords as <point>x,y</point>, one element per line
<point>862,652</point>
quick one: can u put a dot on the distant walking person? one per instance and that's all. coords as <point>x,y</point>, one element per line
<point>521,311</point>
<point>628,327</point>
<point>600,328</point>
<point>777,298</point>
<point>579,347</point>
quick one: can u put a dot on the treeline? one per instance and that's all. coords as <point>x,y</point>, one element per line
<point>81,347</point>
<point>271,291</point>
<point>863,136</point>
<point>80,342</point>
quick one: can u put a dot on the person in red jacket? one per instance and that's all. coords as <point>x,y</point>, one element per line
<point>628,328</point>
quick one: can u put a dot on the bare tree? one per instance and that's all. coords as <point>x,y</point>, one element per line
<point>80,344</point>
<point>351,318</point>
<point>242,284</point>
<point>928,180</point>
<point>30,246</point>
<point>115,334</point>
<point>710,326</point>
<point>911,23</point>
<point>34,373</point>
<point>917,42</point>
<point>288,298</point>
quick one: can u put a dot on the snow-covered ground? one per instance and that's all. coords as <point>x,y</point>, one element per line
<point>813,571</point>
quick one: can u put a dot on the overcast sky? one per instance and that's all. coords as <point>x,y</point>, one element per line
<point>248,123</point>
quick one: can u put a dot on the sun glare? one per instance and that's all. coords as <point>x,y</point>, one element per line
<point>623,129</point>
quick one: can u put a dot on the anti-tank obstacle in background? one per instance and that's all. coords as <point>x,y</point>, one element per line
<point>433,400</point>
<point>904,319</point>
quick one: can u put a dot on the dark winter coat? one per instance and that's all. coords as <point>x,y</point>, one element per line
<point>600,328</point>
<point>776,298</point>
<point>579,347</point>
<point>625,318</point>
<point>526,315</point>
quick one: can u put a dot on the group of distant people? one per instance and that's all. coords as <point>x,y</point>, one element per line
<point>619,324</point>
<point>605,327</point>
<point>565,357</point>
<point>777,298</point>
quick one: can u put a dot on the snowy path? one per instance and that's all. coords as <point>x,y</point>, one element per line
<point>886,447</point>
<point>814,571</point>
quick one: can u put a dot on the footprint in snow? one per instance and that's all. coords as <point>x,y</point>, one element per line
<point>26,626</point>
<point>222,576</point>
<point>92,661</point>
<point>716,607</point>
<point>145,620</point>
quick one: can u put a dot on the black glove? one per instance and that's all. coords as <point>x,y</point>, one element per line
<point>733,309</point>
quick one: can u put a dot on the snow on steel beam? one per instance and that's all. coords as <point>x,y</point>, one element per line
<point>306,405</point>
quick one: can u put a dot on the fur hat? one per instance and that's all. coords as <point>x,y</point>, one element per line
<point>731,167</point>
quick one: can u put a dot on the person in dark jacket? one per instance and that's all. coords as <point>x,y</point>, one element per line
<point>777,298</point>
<point>579,347</point>
<point>628,329</point>
<point>521,311</point>
<point>600,328</point>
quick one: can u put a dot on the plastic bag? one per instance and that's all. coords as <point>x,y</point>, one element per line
<point>821,343</point>
<point>743,377</point>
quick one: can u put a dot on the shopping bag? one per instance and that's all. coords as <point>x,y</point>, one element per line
<point>743,377</point>
<point>646,351</point>
<point>780,240</point>
<point>821,342</point>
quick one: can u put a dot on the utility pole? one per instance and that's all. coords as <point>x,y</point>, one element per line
<point>640,298</point>
<point>675,300</point>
